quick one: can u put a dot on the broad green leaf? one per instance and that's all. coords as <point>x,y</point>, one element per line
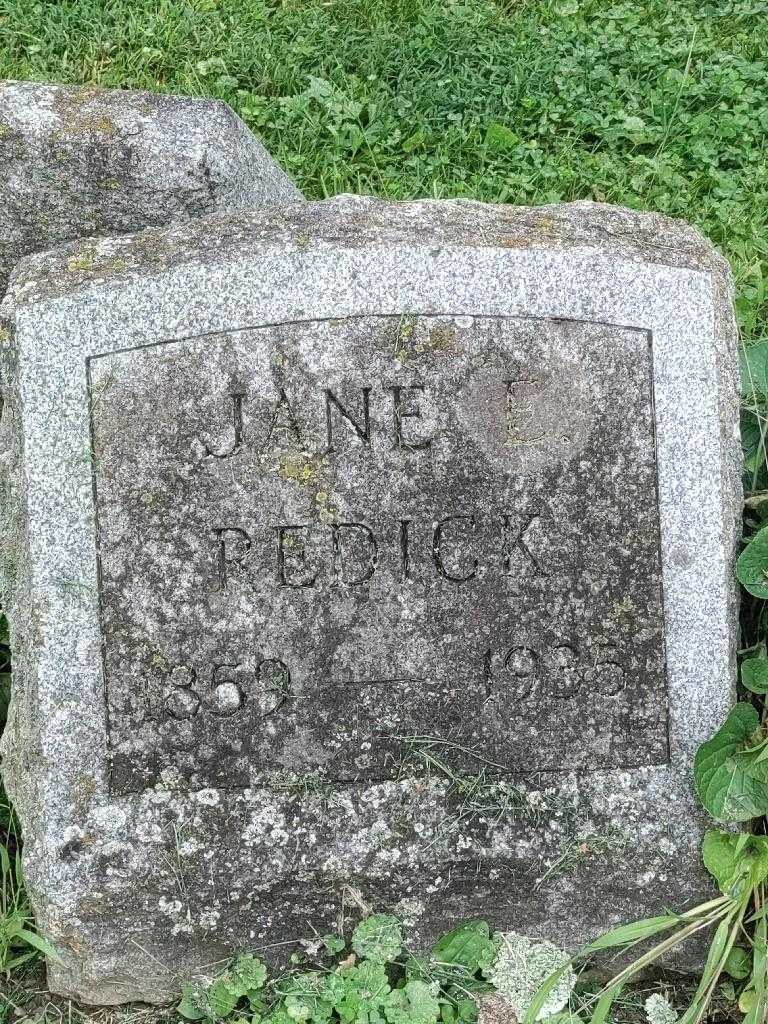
<point>754,674</point>
<point>423,1006</point>
<point>753,445</point>
<point>467,1010</point>
<point>738,963</point>
<point>723,859</point>
<point>747,1000</point>
<point>757,1014</point>
<point>730,784</point>
<point>470,946</point>
<point>752,565</point>
<point>371,977</point>
<point>333,944</point>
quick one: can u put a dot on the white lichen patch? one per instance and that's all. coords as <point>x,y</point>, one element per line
<point>171,908</point>
<point>209,920</point>
<point>265,823</point>
<point>520,967</point>
<point>409,911</point>
<point>659,1010</point>
<point>149,831</point>
<point>209,797</point>
<point>109,818</point>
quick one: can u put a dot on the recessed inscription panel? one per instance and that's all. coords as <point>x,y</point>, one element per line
<point>320,539</point>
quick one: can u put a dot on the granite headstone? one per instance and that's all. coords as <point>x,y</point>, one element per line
<point>313,512</point>
<point>78,161</point>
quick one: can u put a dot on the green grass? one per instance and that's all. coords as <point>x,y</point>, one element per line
<point>659,105</point>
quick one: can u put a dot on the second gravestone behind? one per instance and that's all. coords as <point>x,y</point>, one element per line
<point>387,552</point>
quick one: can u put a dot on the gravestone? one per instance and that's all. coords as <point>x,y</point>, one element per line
<point>364,554</point>
<point>80,161</point>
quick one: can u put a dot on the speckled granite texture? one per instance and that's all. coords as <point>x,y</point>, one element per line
<point>77,161</point>
<point>173,810</point>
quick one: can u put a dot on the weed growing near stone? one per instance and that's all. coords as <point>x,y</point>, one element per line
<point>18,941</point>
<point>475,793</point>
<point>374,979</point>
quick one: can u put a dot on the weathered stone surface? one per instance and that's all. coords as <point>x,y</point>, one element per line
<point>77,162</point>
<point>304,501</point>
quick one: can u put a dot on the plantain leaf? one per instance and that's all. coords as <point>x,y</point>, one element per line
<point>752,565</point>
<point>731,781</point>
<point>470,946</point>
<point>754,674</point>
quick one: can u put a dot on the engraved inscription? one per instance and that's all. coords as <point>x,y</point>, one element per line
<point>316,539</point>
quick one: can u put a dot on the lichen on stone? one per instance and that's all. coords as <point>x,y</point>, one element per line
<point>300,468</point>
<point>80,261</point>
